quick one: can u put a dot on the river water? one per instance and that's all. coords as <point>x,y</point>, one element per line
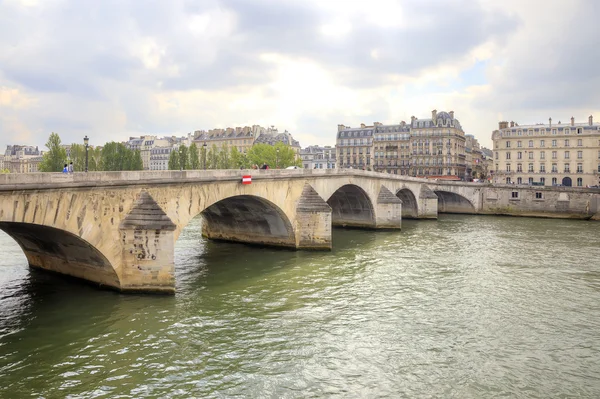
<point>462,307</point>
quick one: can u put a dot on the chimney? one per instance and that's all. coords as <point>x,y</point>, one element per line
<point>412,120</point>
<point>502,125</point>
<point>512,124</point>
<point>434,116</point>
<point>451,114</point>
<point>591,120</point>
<point>341,127</point>
<point>549,122</point>
<point>572,121</point>
<point>362,126</point>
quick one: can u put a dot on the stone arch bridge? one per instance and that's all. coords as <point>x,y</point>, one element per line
<point>118,229</point>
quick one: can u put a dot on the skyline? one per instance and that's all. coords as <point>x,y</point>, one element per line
<point>119,68</point>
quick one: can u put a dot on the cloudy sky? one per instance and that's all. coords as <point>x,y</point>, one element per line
<point>117,68</point>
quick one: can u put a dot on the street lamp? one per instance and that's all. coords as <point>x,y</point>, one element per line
<point>277,159</point>
<point>204,155</point>
<point>86,142</point>
<point>180,160</point>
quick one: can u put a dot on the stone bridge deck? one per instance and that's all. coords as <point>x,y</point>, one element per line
<point>119,228</point>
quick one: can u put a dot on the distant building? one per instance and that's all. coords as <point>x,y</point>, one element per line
<point>159,157</point>
<point>22,158</point>
<point>547,154</point>
<point>145,144</point>
<point>315,157</point>
<point>431,147</point>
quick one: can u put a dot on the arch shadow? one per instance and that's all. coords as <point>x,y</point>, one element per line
<point>351,207</point>
<point>248,219</point>
<point>449,202</point>
<point>410,209</point>
<point>60,251</point>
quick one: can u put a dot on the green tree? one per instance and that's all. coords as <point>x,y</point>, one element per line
<point>78,157</point>
<point>4,171</point>
<point>223,162</point>
<point>174,160</point>
<point>184,158</point>
<point>212,158</point>
<point>115,156</point>
<point>264,153</point>
<point>194,158</point>
<point>286,156</point>
<point>54,159</point>
<point>203,156</point>
<point>136,161</point>
<point>94,158</point>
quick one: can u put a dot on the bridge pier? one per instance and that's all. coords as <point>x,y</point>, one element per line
<point>388,210</point>
<point>313,220</point>
<point>148,249</point>
<point>428,203</point>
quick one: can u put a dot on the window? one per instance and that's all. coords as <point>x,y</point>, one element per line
<point>579,182</point>
<point>553,143</point>
<point>553,154</point>
<point>519,144</point>
<point>496,154</point>
<point>508,144</point>
<point>543,155</point>
<point>554,168</point>
<point>519,180</point>
<point>579,168</point>
<point>530,168</point>
<point>508,180</point>
<point>553,131</point>
<point>508,155</point>
<point>530,180</point>
<point>567,131</point>
<point>519,155</point>
<point>554,181</point>
<point>579,154</point>
<point>514,194</point>
<point>530,154</point>
<point>567,168</point>
<point>543,181</point>
<point>567,143</point>
<point>542,143</point>
<point>519,167</point>
<point>538,195</point>
<point>530,143</point>
<point>508,167</point>
<point>567,155</point>
<point>579,143</point>
<point>579,130</point>
<point>542,168</point>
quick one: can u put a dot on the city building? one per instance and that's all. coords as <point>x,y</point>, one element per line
<point>1,162</point>
<point>547,154</point>
<point>244,138</point>
<point>159,157</point>
<point>316,157</point>
<point>432,147</point>
<point>145,144</point>
<point>22,158</point>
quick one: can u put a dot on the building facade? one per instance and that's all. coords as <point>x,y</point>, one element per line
<point>316,157</point>
<point>547,154</point>
<point>22,158</point>
<point>159,157</point>
<point>432,147</point>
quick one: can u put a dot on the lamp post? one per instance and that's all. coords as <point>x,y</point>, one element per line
<point>277,159</point>
<point>86,142</point>
<point>204,155</point>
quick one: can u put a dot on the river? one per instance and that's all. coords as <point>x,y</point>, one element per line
<point>462,307</point>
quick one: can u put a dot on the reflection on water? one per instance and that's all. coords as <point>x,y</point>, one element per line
<point>463,307</point>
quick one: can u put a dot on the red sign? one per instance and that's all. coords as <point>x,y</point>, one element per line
<point>247,179</point>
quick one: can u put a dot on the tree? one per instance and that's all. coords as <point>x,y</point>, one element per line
<point>194,159</point>
<point>136,161</point>
<point>115,156</point>
<point>174,160</point>
<point>78,157</point>
<point>184,158</point>
<point>94,158</point>
<point>223,162</point>
<point>4,171</point>
<point>56,156</point>
<point>212,158</point>
<point>203,155</point>
<point>264,153</point>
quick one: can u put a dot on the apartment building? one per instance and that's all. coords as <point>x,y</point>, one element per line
<point>547,154</point>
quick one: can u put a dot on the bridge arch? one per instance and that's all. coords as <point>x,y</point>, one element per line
<point>60,251</point>
<point>449,202</point>
<point>351,206</point>
<point>410,208</point>
<point>249,219</point>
